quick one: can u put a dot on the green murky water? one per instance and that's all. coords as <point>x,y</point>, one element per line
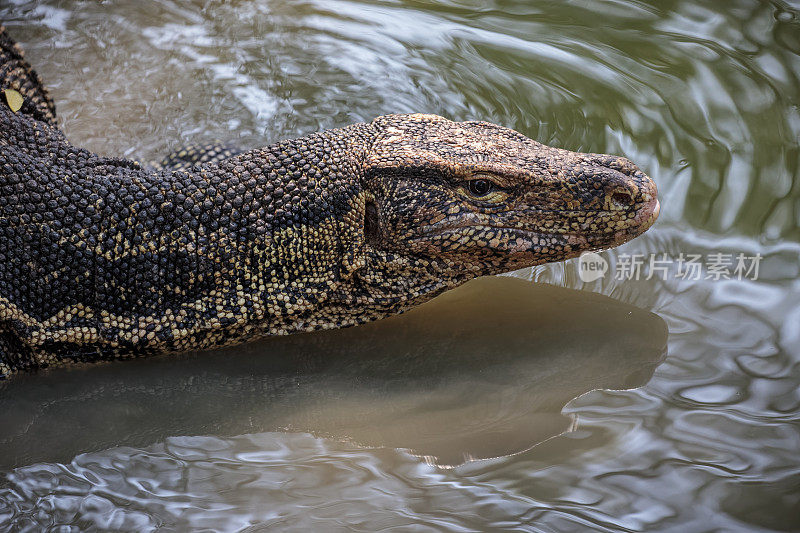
<point>667,400</point>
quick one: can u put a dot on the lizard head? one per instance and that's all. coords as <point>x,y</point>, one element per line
<point>485,199</point>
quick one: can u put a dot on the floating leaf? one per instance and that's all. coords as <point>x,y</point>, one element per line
<point>14,99</point>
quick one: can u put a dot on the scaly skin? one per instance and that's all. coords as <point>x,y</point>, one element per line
<point>101,258</point>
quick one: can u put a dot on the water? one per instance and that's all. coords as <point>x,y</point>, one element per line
<point>507,404</point>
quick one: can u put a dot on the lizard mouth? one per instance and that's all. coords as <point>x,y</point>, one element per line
<point>482,229</point>
<point>508,239</point>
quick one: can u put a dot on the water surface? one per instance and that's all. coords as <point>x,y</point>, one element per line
<point>524,407</point>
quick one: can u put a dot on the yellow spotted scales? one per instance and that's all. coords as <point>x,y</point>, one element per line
<point>102,258</point>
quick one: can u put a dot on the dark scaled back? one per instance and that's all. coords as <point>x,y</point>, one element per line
<point>196,154</point>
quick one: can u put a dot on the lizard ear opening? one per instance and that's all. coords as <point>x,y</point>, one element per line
<point>372,225</point>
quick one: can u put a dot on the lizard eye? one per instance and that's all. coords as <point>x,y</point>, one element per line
<point>480,187</point>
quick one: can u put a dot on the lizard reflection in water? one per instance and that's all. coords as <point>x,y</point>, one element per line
<point>483,371</point>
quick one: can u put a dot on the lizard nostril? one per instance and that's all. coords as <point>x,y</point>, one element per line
<point>621,198</point>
